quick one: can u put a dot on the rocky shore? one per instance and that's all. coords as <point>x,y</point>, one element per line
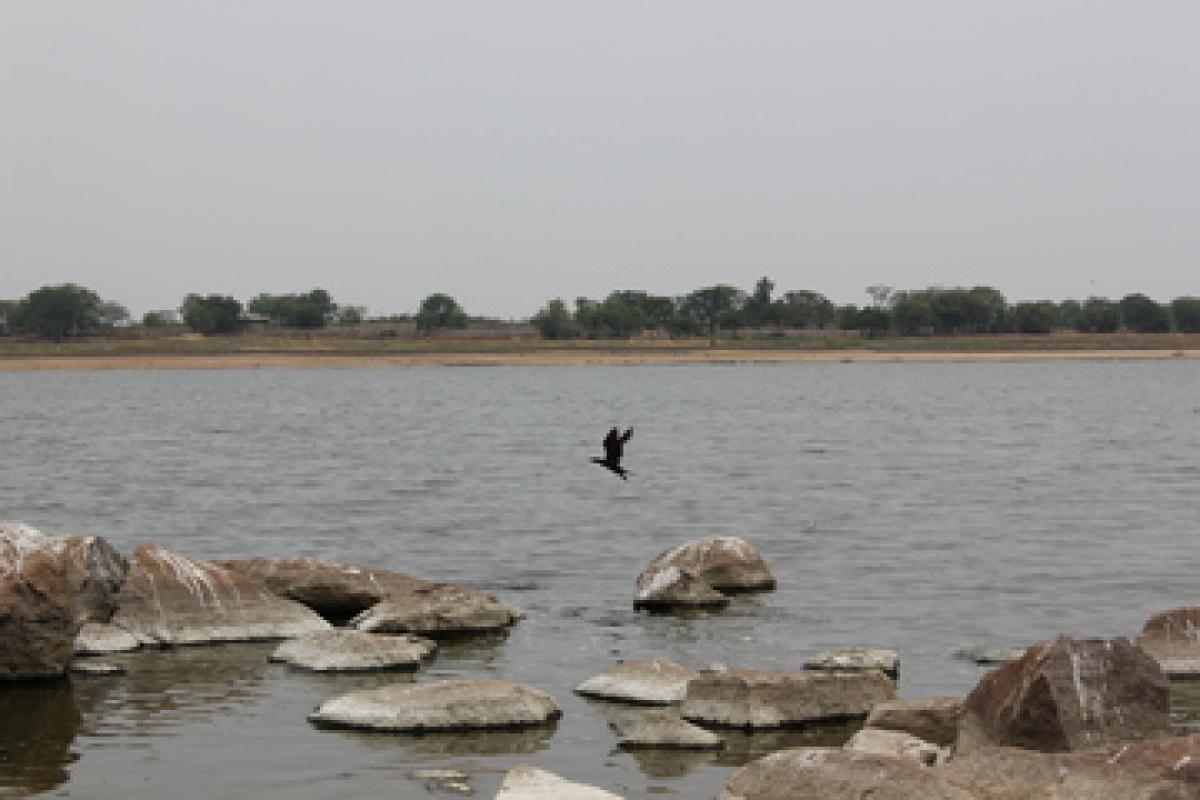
<point>1070,718</point>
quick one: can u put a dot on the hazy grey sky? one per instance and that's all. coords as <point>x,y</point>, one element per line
<point>510,152</point>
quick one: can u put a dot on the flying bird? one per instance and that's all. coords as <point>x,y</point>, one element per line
<point>614,448</point>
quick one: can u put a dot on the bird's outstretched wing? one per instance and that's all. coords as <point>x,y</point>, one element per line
<point>628,435</point>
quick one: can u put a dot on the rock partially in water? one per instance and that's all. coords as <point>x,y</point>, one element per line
<point>342,650</point>
<point>101,638</point>
<point>1069,694</point>
<point>173,599</point>
<point>698,573</point>
<point>655,681</point>
<point>334,591</point>
<point>672,587</point>
<point>93,569</point>
<point>857,658</point>
<point>437,609</point>
<point>87,666</point>
<point>830,774</point>
<point>666,730</point>
<point>1172,638</point>
<point>38,609</point>
<point>933,719</point>
<point>752,698</point>
<point>531,783</point>
<point>896,743</point>
<point>440,706</point>
<point>985,656</point>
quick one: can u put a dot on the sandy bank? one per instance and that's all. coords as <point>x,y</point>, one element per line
<point>558,358</point>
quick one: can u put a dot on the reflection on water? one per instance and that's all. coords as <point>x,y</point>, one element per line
<point>39,724</point>
<point>516,741</point>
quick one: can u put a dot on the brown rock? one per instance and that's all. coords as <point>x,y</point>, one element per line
<point>934,719</point>
<point>1172,638</point>
<point>436,609</point>
<point>94,570</point>
<point>896,743</point>
<point>673,588</point>
<point>334,591</point>
<point>1068,694</point>
<point>38,622</point>
<point>666,730</point>
<point>830,774</point>
<point>750,698</point>
<point>169,598</point>
<point>656,681</point>
<point>342,650</point>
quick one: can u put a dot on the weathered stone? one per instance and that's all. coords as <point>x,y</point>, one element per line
<point>87,666</point>
<point>984,656</point>
<point>440,706</point>
<point>749,698</point>
<point>933,719</point>
<point>672,587</point>
<point>334,591</point>
<point>830,774</point>
<point>531,783</point>
<point>95,572</point>
<point>169,599</point>
<point>101,638</point>
<point>437,609</point>
<point>857,658</point>
<point>666,730</point>
<point>654,682</point>
<point>38,620</point>
<point>1172,638</point>
<point>343,650</point>
<point>1068,694</point>
<point>882,742</point>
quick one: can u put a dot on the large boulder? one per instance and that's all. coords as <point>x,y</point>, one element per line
<point>829,774</point>
<point>1068,694</point>
<point>697,572</point>
<point>933,719</point>
<point>452,705</point>
<point>437,609</point>
<point>38,613</point>
<point>531,783</point>
<point>1172,638</point>
<point>343,650</point>
<point>656,681</point>
<point>93,569</point>
<point>752,698</point>
<point>334,591</point>
<point>172,599</point>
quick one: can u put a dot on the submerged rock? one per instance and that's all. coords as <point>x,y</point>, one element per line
<point>437,609</point>
<point>1172,638</point>
<point>353,651</point>
<point>857,658</point>
<point>934,719</point>
<point>698,573</point>
<point>531,783</point>
<point>666,730</point>
<point>171,599</point>
<point>751,698</point>
<point>441,706</point>
<point>654,682</point>
<point>1068,694</point>
<point>334,591</point>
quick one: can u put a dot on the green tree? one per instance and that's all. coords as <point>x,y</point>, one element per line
<point>1141,314</point>
<point>1186,311</point>
<point>440,311</point>
<point>8,316</point>
<point>712,305</point>
<point>804,309</point>
<point>58,312</point>
<point>1037,317</point>
<point>1069,313</point>
<point>656,310</point>
<point>554,321</point>
<point>911,313</point>
<point>155,319</point>
<point>309,311</point>
<point>986,309</point>
<point>1099,315</point>
<point>211,314</point>
<point>758,309</point>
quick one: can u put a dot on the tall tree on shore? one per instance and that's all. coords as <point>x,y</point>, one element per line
<point>439,311</point>
<point>1186,311</point>
<point>712,306</point>
<point>211,314</point>
<point>60,312</point>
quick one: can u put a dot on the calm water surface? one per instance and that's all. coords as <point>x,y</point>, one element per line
<point>919,507</point>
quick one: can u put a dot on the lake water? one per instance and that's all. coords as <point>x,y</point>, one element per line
<point>918,507</point>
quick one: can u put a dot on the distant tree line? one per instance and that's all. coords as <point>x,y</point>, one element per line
<point>68,311</point>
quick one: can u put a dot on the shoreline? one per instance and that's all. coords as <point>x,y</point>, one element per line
<point>561,358</point>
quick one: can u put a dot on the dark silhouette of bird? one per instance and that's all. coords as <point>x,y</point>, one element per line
<point>614,448</point>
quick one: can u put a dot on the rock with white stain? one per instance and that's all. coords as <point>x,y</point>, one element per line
<point>656,681</point>
<point>453,705</point>
<point>341,650</point>
<point>1068,694</point>
<point>335,591</point>
<point>95,668</point>
<point>857,658</point>
<point>1172,638</point>
<point>38,619</point>
<point>170,598</point>
<point>101,638</point>
<point>666,730</point>
<point>895,743</point>
<point>93,569</point>
<point>933,719</point>
<point>699,573</point>
<point>531,783</point>
<point>437,609</point>
<point>759,698</point>
<point>673,588</point>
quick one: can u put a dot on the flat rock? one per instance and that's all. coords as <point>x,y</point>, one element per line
<point>896,743</point>
<point>87,666</point>
<point>437,609</point>
<point>666,730</point>
<point>654,682</point>
<point>984,656</point>
<point>672,588</point>
<point>750,698</point>
<point>857,658</point>
<point>1068,694</point>
<point>531,783</point>
<point>341,650</point>
<point>933,719</point>
<point>169,598</point>
<point>441,706</point>
<point>334,591</point>
<point>101,638</point>
<point>1172,638</point>
<point>38,609</point>
<point>832,774</point>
